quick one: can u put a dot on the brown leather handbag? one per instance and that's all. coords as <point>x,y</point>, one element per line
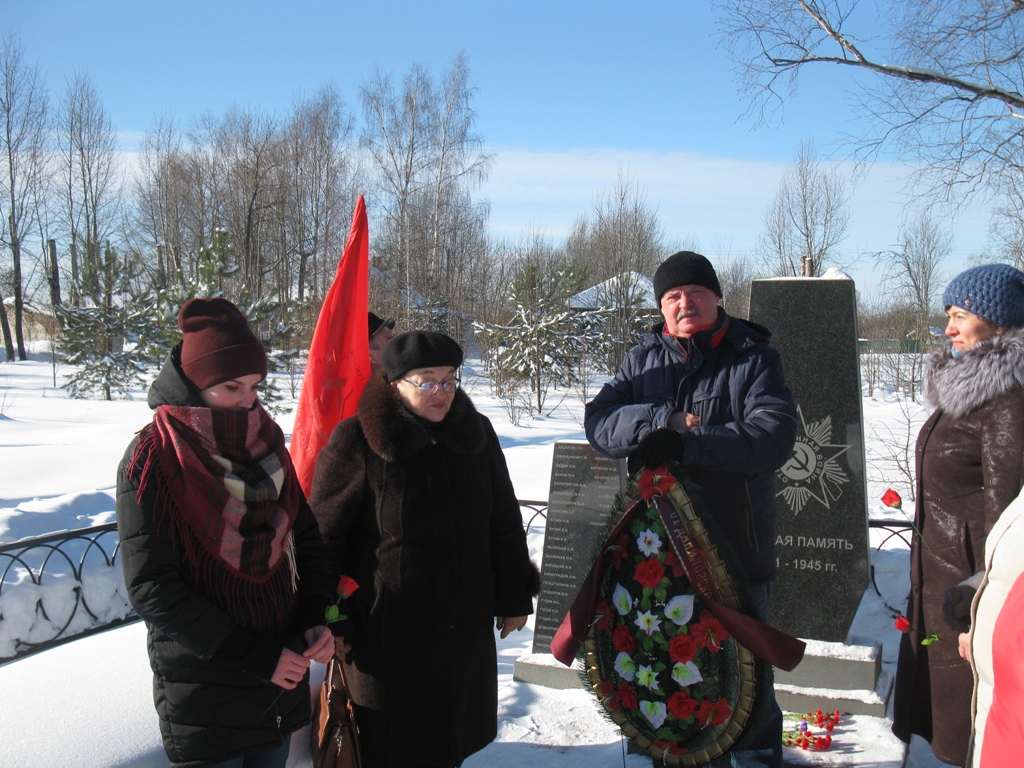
<point>335,734</point>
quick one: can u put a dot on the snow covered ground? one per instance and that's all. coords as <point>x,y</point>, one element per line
<point>88,703</point>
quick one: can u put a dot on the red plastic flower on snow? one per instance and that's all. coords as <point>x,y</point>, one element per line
<point>709,632</point>
<point>649,573</point>
<point>892,499</point>
<point>654,482</point>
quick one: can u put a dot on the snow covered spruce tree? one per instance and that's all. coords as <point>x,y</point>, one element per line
<point>545,343</point>
<point>93,334</point>
<point>215,273</point>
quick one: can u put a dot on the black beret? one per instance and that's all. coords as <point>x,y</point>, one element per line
<point>420,349</point>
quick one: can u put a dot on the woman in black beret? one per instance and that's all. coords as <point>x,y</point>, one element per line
<point>415,503</point>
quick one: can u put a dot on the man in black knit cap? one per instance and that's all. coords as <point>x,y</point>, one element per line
<point>705,390</point>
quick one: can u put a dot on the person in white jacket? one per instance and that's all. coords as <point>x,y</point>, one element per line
<point>995,645</point>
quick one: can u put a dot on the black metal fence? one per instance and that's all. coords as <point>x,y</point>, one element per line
<point>60,587</point>
<point>64,586</point>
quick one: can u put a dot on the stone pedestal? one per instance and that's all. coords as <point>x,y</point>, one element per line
<point>822,524</point>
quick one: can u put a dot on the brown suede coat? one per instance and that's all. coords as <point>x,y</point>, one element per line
<point>425,518</point>
<point>970,466</point>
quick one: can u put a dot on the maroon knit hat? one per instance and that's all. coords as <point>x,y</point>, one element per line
<point>218,343</point>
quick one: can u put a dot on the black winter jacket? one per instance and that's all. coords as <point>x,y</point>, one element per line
<point>211,679</point>
<point>748,424</point>
<point>425,519</point>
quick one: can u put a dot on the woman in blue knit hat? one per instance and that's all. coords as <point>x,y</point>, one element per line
<point>970,466</point>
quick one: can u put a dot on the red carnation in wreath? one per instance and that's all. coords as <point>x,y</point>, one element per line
<point>682,648</point>
<point>649,573</point>
<point>623,639</point>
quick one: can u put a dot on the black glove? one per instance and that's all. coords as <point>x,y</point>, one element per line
<point>656,449</point>
<point>956,607</point>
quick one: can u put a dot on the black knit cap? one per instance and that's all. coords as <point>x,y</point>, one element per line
<point>420,349</point>
<point>218,345</point>
<point>685,268</point>
<point>375,323</point>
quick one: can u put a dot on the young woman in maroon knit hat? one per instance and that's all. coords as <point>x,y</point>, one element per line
<point>221,555</point>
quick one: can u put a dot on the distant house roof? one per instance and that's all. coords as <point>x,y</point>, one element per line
<point>641,292</point>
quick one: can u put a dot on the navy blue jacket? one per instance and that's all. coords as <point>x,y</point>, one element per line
<point>748,424</point>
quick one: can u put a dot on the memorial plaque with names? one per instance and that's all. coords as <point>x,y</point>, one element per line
<point>584,486</point>
<point>821,546</point>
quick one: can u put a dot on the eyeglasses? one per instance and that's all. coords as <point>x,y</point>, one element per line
<point>430,387</point>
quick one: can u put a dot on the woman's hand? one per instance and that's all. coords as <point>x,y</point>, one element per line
<point>963,645</point>
<point>291,668</point>
<point>506,625</point>
<point>320,644</point>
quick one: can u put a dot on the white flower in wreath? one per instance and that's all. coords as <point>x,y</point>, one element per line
<point>626,667</point>
<point>654,711</point>
<point>622,600</point>
<point>649,542</point>
<point>680,609</point>
<point>647,677</point>
<point>648,622</point>
<point>686,674</point>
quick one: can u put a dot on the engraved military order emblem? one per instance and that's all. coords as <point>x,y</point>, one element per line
<point>812,471</point>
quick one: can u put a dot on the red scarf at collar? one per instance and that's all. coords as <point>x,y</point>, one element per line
<point>227,495</point>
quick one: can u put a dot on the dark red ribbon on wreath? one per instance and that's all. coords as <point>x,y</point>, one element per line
<point>774,646</point>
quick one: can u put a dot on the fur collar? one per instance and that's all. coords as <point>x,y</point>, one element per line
<point>960,385</point>
<point>395,434</point>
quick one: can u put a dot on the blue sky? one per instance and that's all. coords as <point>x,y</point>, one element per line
<point>569,94</point>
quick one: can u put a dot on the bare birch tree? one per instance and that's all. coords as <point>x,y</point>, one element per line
<point>617,243</point>
<point>943,85</point>
<point>807,219</point>
<point>89,174</point>
<point>23,125</point>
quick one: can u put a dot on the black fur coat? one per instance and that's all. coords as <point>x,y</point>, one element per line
<point>425,518</point>
<point>970,466</point>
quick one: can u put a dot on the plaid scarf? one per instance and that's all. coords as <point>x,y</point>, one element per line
<point>227,495</point>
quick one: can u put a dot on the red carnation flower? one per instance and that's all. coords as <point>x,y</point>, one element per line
<point>623,639</point>
<point>681,705</point>
<point>682,648</point>
<point>902,623</point>
<point>626,696</point>
<point>649,573</point>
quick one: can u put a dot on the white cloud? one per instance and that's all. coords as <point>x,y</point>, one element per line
<point>718,201</point>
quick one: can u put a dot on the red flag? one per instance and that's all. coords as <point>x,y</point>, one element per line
<point>339,354</point>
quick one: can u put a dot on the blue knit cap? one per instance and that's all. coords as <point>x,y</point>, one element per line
<point>993,292</point>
